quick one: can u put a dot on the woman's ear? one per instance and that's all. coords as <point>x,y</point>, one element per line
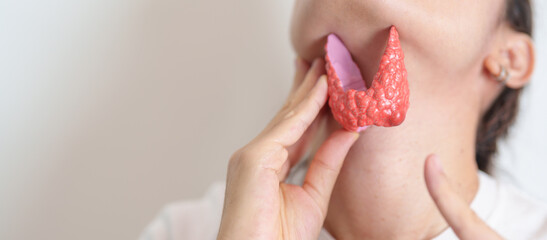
<point>515,53</point>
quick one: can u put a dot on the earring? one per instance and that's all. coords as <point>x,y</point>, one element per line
<point>504,76</point>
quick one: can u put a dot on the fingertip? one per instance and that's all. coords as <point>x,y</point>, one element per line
<point>322,80</point>
<point>455,210</point>
<point>347,136</point>
<point>301,64</point>
<point>433,173</point>
<point>318,65</point>
<point>322,86</point>
<point>315,62</point>
<point>356,135</point>
<point>435,163</point>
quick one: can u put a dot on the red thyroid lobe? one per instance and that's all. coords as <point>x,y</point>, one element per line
<point>354,106</point>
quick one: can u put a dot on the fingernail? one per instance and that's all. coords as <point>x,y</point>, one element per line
<point>315,62</point>
<point>322,78</point>
<point>356,136</point>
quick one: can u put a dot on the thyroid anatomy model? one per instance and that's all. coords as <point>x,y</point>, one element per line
<point>355,107</point>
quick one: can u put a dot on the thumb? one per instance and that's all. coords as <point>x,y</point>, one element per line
<point>325,167</point>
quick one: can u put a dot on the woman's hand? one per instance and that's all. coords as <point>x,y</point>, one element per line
<point>258,205</point>
<point>457,213</point>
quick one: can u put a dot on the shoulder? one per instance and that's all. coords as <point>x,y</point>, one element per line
<point>517,215</point>
<point>193,219</point>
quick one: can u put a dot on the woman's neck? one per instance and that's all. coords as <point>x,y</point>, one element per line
<point>381,192</point>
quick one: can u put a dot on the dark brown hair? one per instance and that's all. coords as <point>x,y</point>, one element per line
<point>496,121</point>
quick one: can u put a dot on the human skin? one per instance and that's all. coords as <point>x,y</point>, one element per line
<point>449,49</point>
<point>386,184</point>
<point>258,204</point>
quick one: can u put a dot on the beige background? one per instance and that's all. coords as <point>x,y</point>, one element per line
<point>111,109</point>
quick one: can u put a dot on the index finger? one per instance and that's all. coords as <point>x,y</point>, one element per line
<point>457,213</point>
<point>298,119</point>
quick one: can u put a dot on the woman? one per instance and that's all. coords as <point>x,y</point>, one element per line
<point>466,62</point>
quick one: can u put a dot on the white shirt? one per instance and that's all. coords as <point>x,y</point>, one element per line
<point>510,212</point>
